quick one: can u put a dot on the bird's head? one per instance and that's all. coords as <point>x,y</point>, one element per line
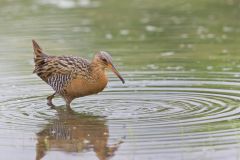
<point>105,60</point>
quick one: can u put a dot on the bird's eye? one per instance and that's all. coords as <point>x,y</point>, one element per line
<point>104,60</point>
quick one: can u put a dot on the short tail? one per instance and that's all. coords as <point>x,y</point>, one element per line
<point>39,56</point>
<point>37,50</point>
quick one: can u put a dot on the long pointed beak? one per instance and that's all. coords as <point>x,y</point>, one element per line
<point>112,67</point>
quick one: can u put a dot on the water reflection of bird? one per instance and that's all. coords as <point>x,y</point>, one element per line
<point>75,132</point>
<point>73,77</point>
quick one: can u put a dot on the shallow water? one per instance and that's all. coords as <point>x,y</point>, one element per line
<point>180,62</point>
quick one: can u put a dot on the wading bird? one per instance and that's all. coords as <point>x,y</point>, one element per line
<point>72,77</point>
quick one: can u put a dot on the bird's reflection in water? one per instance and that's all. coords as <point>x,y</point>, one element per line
<point>76,132</point>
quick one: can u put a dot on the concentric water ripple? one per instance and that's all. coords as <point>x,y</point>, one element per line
<point>151,116</point>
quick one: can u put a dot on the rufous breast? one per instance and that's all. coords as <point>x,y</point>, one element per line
<point>80,87</point>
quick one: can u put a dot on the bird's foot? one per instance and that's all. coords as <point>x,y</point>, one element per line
<point>49,103</point>
<point>70,110</point>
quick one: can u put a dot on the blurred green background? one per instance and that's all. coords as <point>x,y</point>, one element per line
<point>141,35</point>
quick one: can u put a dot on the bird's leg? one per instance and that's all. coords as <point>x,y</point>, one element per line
<point>68,101</point>
<point>49,100</point>
<point>68,105</point>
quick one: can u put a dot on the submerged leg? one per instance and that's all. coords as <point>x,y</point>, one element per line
<point>49,100</point>
<point>68,101</point>
<point>69,109</point>
<point>68,105</point>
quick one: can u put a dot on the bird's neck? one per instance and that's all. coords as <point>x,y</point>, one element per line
<point>98,70</point>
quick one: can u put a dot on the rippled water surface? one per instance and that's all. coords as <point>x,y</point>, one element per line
<point>180,60</point>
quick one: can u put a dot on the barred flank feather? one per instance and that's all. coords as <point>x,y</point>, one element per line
<point>57,82</point>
